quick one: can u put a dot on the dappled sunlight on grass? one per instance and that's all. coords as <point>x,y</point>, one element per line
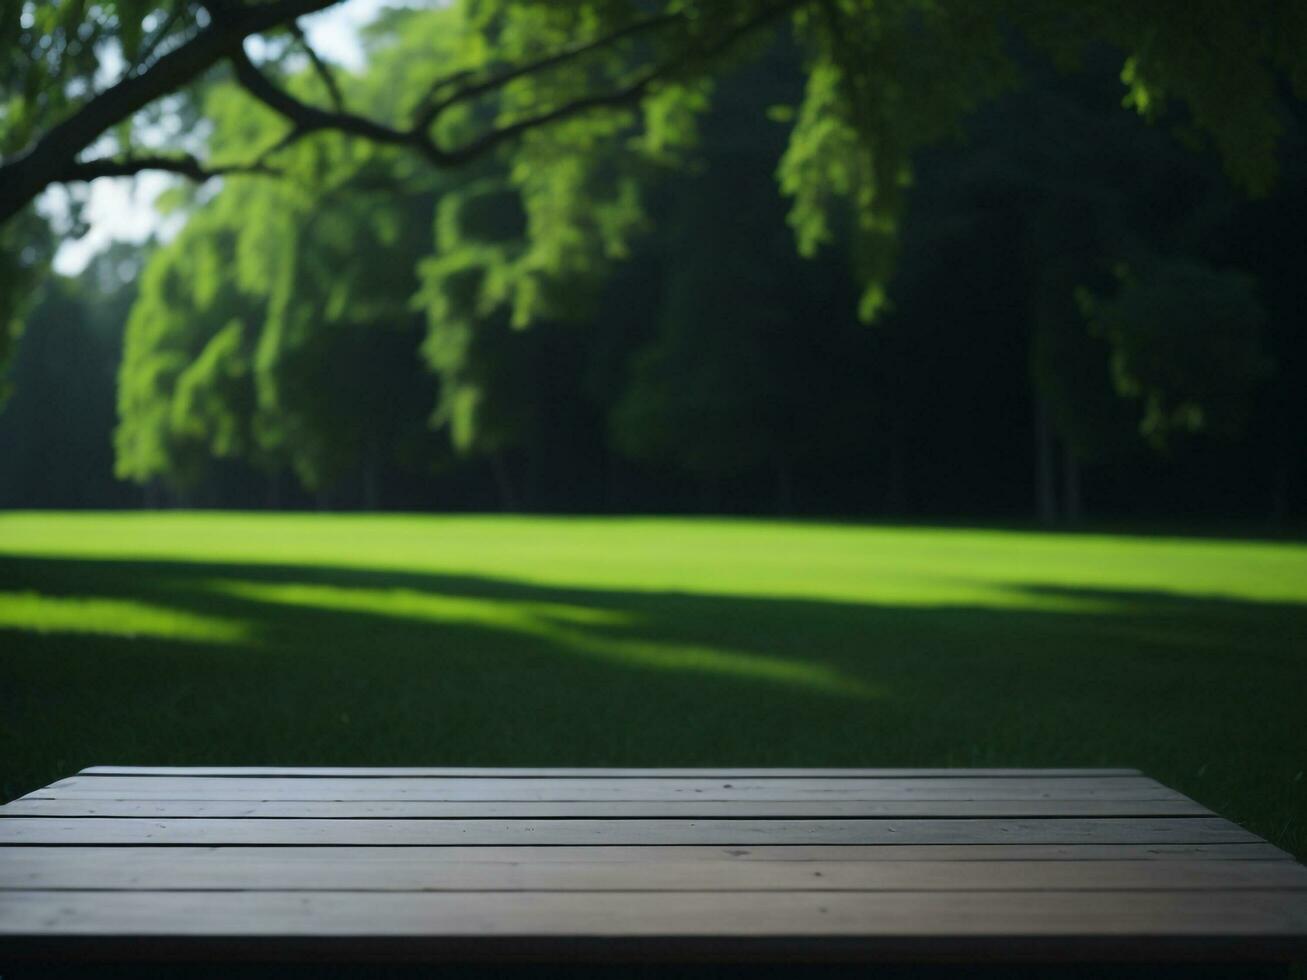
<point>562,626</point>
<point>194,639</point>
<point>113,617</point>
<point>921,567</point>
<point>433,606</point>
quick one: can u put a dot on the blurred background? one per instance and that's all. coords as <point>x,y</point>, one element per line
<point>965,407</point>
<point>1086,319</point>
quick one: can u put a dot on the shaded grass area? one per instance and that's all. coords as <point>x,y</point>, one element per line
<point>314,640</point>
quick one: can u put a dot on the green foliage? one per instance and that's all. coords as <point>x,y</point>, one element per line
<point>533,238</point>
<point>54,49</point>
<point>184,385</point>
<point>1186,342</point>
<point>741,321</point>
<point>210,403</point>
<point>696,393</point>
<point>239,334</point>
<point>486,274</point>
<point>1173,47</point>
<point>53,55</point>
<point>884,80</point>
<point>249,340</point>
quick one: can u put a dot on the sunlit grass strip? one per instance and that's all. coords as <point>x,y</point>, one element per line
<point>112,617</point>
<point>920,567</point>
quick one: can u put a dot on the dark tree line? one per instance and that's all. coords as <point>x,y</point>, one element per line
<point>1052,267</point>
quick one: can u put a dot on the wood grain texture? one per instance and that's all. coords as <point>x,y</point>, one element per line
<point>1258,851</point>
<point>126,830</point>
<point>708,869</point>
<point>440,865</point>
<point>383,772</point>
<point>1244,914</point>
<point>617,809</point>
<point>595,789</point>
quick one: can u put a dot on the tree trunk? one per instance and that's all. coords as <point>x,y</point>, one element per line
<point>503,484</point>
<point>529,496</point>
<point>1045,465</point>
<point>896,482</point>
<point>371,488</point>
<point>611,493</point>
<point>784,500</point>
<point>1280,488</point>
<point>709,494</point>
<point>1072,496</point>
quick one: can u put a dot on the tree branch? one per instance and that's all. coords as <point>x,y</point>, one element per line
<point>433,108</point>
<point>24,175</point>
<point>306,119</point>
<point>184,165</point>
<point>609,100</point>
<point>53,157</point>
<point>627,94</point>
<point>152,45</point>
<point>434,89</point>
<point>321,67</point>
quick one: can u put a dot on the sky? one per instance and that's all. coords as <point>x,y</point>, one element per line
<point>120,209</point>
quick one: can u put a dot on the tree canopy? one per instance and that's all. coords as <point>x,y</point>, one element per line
<point>499,162</point>
<point>119,87</point>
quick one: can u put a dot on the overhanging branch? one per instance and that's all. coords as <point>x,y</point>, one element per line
<point>53,158</point>
<point>184,165</point>
<point>323,69</point>
<point>433,107</point>
<point>305,118</point>
<point>29,172</point>
<point>625,95</point>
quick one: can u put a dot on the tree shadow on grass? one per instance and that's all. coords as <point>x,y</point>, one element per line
<point>213,663</point>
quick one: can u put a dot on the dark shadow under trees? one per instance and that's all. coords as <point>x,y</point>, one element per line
<point>331,666</point>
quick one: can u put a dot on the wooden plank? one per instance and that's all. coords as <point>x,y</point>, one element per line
<point>621,809</point>
<point>382,772</point>
<point>1001,917</point>
<point>416,869</point>
<point>15,857</point>
<point>469,863</point>
<point>544,790</point>
<point>110,830</point>
<point>1258,851</point>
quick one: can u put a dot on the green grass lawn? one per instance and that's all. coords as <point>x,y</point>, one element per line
<point>261,639</point>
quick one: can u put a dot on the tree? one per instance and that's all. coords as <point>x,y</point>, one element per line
<point>185,385</point>
<point>55,434</point>
<point>743,326</point>
<point>1186,342</point>
<point>276,329</point>
<point>884,79</point>
<point>258,348</point>
<point>57,111</point>
<point>1072,192</point>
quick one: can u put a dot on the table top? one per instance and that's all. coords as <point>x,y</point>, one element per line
<point>676,864</point>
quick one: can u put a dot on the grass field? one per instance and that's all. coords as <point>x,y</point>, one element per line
<point>257,639</point>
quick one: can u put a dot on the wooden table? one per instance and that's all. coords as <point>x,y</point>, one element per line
<point>658,866</point>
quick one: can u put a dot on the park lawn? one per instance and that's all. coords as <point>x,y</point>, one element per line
<point>239,639</point>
